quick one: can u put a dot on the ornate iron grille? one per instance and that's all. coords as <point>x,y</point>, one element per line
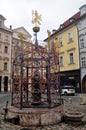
<point>35,78</point>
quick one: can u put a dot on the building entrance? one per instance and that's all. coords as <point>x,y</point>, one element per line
<point>5,83</point>
<point>84,84</point>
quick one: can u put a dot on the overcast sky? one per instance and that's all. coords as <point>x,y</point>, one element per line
<point>54,12</point>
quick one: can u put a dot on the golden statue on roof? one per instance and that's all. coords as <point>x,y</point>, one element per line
<point>36,18</point>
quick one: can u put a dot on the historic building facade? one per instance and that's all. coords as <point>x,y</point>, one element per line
<point>81,27</point>
<point>21,37</point>
<point>5,56</point>
<point>67,39</point>
<point>10,42</point>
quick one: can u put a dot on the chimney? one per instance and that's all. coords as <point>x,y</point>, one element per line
<point>10,27</point>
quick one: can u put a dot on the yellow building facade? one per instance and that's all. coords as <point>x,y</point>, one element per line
<point>68,49</point>
<point>65,40</point>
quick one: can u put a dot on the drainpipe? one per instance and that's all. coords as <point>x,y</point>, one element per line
<point>75,22</point>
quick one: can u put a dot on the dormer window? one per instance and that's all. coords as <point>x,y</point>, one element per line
<point>71,20</point>
<point>62,25</point>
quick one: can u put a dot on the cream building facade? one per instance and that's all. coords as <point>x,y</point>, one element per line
<point>10,42</point>
<point>5,55</point>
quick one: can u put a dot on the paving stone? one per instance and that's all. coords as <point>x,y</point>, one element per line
<point>60,126</point>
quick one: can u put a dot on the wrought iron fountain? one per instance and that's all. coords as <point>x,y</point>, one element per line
<point>35,75</point>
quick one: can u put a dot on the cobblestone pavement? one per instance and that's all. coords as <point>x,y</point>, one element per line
<point>68,106</point>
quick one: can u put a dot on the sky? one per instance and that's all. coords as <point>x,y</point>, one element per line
<point>54,12</point>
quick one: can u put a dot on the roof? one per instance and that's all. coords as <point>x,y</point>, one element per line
<point>67,23</point>
<point>2,17</point>
<point>75,17</point>
<point>19,28</point>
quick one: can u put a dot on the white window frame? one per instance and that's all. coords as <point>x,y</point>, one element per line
<point>83,61</point>
<point>70,37</point>
<point>61,60</point>
<point>81,42</point>
<point>60,41</point>
<point>71,58</point>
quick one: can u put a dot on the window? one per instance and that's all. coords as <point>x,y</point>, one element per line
<point>52,45</point>
<point>82,45</point>
<point>71,58</point>
<point>6,38</point>
<point>71,20</point>
<point>61,26</point>
<point>60,60</point>
<point>60,42</point>
<point>0,23</point>
<point>70,37</point>
<point>6,49</point>
<point>81,42</point>
<point>0,48</point>
<point>0,35</point>
<point>5,66</point>
<point>83,61</point>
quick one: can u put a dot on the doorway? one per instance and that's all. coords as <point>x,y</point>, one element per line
<point>5,83</point>
<point>84,84</point>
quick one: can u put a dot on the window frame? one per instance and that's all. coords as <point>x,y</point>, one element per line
<point>6,38</point>
<point>83,61</point>
<point>0,23</point>
<point>0,47</point>
<point>81,42</point>
<point>61,60</point>
<point>6,49</point>
<point>0,35</point>
<point>5,66</point>
<point>60,41</point>
<point>70,37</point>
<point>71,58</point>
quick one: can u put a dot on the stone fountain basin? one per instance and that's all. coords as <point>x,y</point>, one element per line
<point>37,116</point>
<point>74,116</point>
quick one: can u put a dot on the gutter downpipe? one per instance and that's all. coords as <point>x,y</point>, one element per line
<point>80,86</point>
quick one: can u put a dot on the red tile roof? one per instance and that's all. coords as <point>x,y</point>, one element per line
<point>75,17</point>
<point>67,22</point>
